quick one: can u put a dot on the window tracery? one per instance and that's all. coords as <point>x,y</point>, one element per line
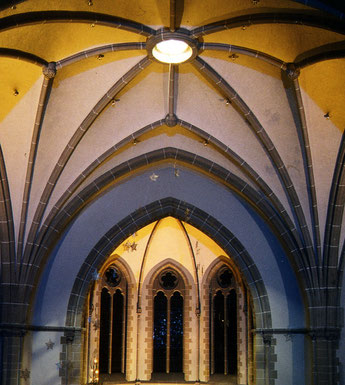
<point>112,320</point>
<point>223,317</point>
<point>168,312</point>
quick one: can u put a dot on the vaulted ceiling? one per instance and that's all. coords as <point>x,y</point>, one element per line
<point>263,100</point>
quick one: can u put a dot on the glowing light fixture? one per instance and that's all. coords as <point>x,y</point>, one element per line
<point>172,47</point>
<point>172,51</point>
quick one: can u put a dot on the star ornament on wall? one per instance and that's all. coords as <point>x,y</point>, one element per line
<point>127,245</point>
<point>95,275</point>
<point>50,344</point>
<point>154,177</point>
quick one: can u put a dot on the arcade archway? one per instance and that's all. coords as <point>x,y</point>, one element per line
<point>169,303</point>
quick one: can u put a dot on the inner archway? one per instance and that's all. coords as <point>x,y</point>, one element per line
<point>166,268</point>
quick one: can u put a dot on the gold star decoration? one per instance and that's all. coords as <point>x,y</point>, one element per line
<point>134,246</point>
<point>127,246</point>
<point>154,177</point>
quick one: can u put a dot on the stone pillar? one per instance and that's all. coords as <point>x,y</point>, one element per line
<point>70,357</point>
<point>325,366</point>
<point>242,338</point>
<point>13,307</point>
<point>12,373</point>
<point>265,359</point>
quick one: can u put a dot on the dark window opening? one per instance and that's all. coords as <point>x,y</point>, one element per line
<point>232,332</point>
<point>176,332</point>
<point>112,276</point>
<point>160,332</point>
<point>223,318</point>
<point>218,325</point>
<point>104,332</point>
<point>168,280</point>
<point>112,323</point>
<point>117,335</point>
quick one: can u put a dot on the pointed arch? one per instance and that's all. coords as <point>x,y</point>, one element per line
<point>202,221</point>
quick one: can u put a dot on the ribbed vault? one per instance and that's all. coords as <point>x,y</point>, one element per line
<point>258,111</point>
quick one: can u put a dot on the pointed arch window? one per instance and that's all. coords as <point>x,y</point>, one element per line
<point>223,317</point>
<point>168,312</point>
<point>113,313</point>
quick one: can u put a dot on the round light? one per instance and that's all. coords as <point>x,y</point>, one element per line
<point>172,51</point>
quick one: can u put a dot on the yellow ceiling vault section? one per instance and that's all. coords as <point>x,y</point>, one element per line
<point>198,13</point>
<point>52,42</point>
<point>168,239</point>
<point>328,90</point>
<point>55,41</point>
<point>283,41</point>
<point>154,12</point>
<point>143,11</point>
<point>20,77</point>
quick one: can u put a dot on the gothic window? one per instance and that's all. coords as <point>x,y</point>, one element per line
<point>223,317</point>
<point>168,322</point>
<point>112,338</point>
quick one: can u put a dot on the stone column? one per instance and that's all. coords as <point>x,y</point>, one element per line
<point>242,338</point>
<point>13,307</point>
<point>11,342</point>
<point>325,343</point>
<point>265,359</point>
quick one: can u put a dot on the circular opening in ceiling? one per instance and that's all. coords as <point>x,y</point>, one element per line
<point>172,51</point>
<point>172,47</point>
